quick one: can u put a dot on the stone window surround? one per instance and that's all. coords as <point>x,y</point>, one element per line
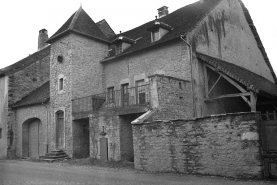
<point>61,76</point>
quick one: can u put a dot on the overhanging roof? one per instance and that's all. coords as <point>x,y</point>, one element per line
<point>251,80</point>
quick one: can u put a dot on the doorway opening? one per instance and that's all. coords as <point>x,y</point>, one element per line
<point>81,146</point>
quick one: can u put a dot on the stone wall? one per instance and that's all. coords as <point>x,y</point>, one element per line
<point>21,83</point>
<point>223,145</point>
<point>225,34</point>
<point>171,59</point>
<point>82,74</point>
<point>3,115</point>
<point>105,125</point>
<point>27,113</point>
<point>174,97</point>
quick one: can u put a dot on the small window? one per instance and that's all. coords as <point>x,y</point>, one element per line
<point>0,133</point>
<point>119,48</point>
<point>155,35</point>
<point>60,58</point>
<point>60,84</point>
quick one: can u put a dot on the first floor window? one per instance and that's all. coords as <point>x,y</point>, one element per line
<point>0,133</point>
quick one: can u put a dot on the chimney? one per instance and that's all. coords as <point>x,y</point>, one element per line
<point>163,11</point>
<point>42,38</point>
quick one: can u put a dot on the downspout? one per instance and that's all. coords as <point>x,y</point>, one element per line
<point>47,120</point>
<point>191,76</point>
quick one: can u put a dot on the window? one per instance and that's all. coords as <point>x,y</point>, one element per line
<point>155,35</point>
<point>111,95</point>
<point>125,94</point>
<point>141,92</point>
<point>119,48</point>
<point>0,133</point>
<point>60,84</point>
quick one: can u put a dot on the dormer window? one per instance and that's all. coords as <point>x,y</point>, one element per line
<point>158,30</point>
<point>156,35</point>
<point>122,43</point>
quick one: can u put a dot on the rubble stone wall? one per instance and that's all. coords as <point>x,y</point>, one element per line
<point>223,145</point>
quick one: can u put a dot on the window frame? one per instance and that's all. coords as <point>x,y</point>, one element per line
<point>153,35</point>
<point>118,48</point>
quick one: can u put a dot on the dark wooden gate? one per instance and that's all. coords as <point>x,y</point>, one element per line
<point>269,144</point>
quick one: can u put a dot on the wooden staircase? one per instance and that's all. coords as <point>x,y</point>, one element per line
<point>54,155</point>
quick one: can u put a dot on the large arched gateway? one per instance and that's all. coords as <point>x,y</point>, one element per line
<point>32,143</point>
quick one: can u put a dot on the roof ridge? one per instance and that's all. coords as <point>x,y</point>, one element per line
<point>74,19</point>
<point>14,67</point>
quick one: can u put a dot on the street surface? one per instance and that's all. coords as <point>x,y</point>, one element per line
<point>14,172</point>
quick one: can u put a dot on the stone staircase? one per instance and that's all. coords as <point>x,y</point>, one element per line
<point>54,155</point>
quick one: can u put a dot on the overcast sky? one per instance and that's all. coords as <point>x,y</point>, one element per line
<point>21,20</point>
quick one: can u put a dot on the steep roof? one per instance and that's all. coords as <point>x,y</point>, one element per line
<point>105,28</point>
<point>249,79</point>
<point>80,23</point>
<point>182,21</point>
<point>39,95</point>
<point>26,61</point>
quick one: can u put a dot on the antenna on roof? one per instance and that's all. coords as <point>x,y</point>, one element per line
<point>156,17</point>
<point>119,32</point>
<point>80,5</point>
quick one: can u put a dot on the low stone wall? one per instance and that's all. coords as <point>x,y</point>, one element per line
<point>224,145</point>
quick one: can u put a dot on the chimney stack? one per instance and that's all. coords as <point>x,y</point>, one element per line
<point>163,11</point>
<point>42,38</point>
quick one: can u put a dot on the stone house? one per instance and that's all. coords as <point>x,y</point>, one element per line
<point>185,92</point>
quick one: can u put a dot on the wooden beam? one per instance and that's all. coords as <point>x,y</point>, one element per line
<point>214,84</point>
<point>253,101</point>
<point>206,79</point>
<point>233,83</point>
<point>228,96</point>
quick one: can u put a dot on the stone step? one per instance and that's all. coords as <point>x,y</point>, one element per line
<point>54,155</point>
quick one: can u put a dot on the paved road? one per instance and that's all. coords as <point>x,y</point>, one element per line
<point>31,173</point>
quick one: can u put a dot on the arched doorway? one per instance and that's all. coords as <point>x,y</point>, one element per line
<point>32,143</point>
<point>60,145</point>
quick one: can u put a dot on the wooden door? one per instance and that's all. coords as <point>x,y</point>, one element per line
<point>103,149</point>
<point>35,144</point>
<point>60,130</point>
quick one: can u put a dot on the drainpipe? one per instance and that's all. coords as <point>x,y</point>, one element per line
<point>191,76</point>
<point>46,128</point>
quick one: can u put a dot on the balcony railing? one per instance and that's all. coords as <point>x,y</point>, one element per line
<point>138,95</point>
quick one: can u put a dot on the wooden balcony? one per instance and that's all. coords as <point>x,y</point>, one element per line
<point>134,99</point>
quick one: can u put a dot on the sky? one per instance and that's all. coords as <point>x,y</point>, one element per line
<point>21,20</point>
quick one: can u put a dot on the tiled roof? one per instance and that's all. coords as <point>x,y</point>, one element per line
<point>182,21</point>
<point>242,75</point>
<point>105,28</point>
<point>39,95</point>
<point>80,23</point>
<point>25,62</point>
